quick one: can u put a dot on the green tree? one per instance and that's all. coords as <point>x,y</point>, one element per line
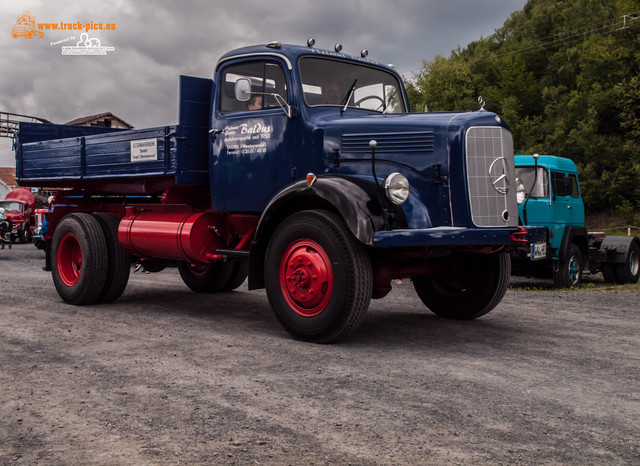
<point>564,75</point>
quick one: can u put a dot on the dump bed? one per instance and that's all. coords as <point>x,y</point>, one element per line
<point>61,155</point>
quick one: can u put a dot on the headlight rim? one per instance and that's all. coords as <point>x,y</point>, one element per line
<point>397,188</point>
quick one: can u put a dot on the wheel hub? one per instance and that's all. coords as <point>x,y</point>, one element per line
<point>306,277</point>
<point>69,259</point>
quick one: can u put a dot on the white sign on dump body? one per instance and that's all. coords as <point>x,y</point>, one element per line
<point>144,150</point>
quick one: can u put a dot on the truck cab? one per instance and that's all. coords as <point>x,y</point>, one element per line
<point>19,206</point>
<point>549,196</point>
<point>554,199</point>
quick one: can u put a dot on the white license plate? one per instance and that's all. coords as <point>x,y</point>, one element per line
<point>538,251</point>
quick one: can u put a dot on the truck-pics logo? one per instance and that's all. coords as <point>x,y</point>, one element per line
<point>26,27</point>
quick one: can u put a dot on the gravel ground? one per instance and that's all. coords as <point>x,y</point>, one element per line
<point>166,376</point>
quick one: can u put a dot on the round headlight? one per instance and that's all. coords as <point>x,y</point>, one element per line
<point>396,187</point>
<point>519,191</point>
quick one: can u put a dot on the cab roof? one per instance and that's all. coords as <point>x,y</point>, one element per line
<point>551,162</point>
<point>290,53</point>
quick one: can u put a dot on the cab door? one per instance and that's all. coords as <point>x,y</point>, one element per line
<point>252,141</point>
<point>567,203</point>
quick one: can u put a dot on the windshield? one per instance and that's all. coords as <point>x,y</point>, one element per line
<point>11,206</point>
<point>327,82</point>
<point>527,175</point>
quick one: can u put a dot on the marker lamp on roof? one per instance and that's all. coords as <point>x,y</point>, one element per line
<point>396,187</point>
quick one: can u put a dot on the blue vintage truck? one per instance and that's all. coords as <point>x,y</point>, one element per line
<point>299,167</point>
<point>549,196</point>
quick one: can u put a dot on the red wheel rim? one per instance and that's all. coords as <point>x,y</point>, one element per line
<point>306,277</point>
<point>69,259</point>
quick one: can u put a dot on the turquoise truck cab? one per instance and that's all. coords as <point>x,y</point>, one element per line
<point>549,196</point>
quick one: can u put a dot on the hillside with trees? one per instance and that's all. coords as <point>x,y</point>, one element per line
<point>565,75</point>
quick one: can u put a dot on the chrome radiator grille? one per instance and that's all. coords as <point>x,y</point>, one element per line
<point>491,177</point>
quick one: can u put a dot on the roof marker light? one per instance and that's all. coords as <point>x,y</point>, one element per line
<point>311,42</point>
<point>364,53</point>
<point>275,44</point>
<point>338,48</point>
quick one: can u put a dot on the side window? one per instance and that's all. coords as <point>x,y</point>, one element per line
<point>575,191</point>
<point>267,79</point>
<point>563,185</point>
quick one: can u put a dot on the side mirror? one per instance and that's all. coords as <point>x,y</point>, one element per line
<point>243,90</point>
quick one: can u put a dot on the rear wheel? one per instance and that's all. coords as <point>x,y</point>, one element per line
<point>569,273</point>
<point>629,271</point>
<point>206,278</point>
<point>317,276</point>
<point>79,254</point>
<point>118,260</point>
<point>609,273</point>
<point>466,287</point>
<point>238,275</point>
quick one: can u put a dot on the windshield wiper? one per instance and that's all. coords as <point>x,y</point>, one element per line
<point>348,98</point>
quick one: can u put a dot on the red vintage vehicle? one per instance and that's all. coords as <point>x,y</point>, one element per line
<point>19,208</point>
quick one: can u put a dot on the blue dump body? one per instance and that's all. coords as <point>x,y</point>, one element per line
<point>63,155</point>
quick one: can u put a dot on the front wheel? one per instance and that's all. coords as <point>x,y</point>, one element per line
<point>79,254</point>
<point>569,273</point>
<point>317,276</point>
<point>465,287</point>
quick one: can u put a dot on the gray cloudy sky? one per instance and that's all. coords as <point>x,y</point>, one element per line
<point>157,40</point>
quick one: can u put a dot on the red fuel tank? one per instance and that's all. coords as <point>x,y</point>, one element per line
<point>171,235</point>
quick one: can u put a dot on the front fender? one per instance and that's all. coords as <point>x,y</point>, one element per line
<point>357,200</point>
<point>577,235</point>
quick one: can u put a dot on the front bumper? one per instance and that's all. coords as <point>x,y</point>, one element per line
<point>458,236</point>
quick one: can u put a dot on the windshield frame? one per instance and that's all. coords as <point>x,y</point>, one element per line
<point>347,87</point>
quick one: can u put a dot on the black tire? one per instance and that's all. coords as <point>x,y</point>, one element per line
<point>25,235</point>
<point>609,273</point>
<point>79,259</point>
<point>238,275</point>
<point>569,273</point>
<point>206,278</point>
<point>629,271</point>
<point>318,277</point>
<point>118,260</point>
<point>466,287</point>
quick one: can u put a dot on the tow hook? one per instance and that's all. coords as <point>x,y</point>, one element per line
<point>520,236</point>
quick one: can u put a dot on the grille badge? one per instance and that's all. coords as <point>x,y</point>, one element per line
<point>499,175</point>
